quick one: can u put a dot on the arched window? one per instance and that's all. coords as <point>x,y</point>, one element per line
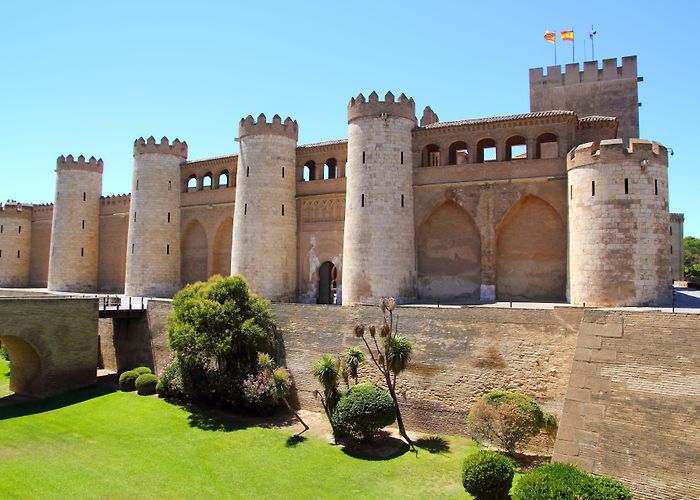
<point>459,154</point>
<point>207,181</point>
<point>330,169</point>
<point>486,150</point>
<point>309,171</point>
<point>192,183</point>
<point>547,146</point>
<point>431,155</point>
<point>223,179</point>
<point>516,148</point>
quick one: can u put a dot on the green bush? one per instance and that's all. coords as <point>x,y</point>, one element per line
<point>363,410</point>
<point>127,380</point>
<point>170,382</point>
<point>141,370</point>
<point>609,489</point>
<point>4,353</point>
<point>487,475</point>
<point>146,384</point>
<point>216,330</point>
<point>567,482</point>
<point>506,419</point>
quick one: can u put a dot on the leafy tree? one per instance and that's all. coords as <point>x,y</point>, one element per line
<point>691,259</point>
<point>392,357</point>
<point>216,330</point>
<point>363,410</point>
<point>507,419</point>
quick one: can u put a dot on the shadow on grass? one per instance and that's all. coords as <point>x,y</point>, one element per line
<point>382,447</point>
<point>18,406</point>
<point>433,444</point>
<point>209,418</point>
<point>293,441</point>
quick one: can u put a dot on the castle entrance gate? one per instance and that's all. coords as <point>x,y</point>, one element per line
<point>327,286</point>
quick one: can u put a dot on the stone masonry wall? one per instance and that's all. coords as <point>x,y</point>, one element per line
<point>632,409</point>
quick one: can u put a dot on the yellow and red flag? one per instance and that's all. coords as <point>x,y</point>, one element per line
<point>550,36</point>
<point>568,35</point>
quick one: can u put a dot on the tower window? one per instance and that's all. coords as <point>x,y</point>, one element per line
<point>592,188</point>
<point>167,249</point>
<point>18,254</point>
<point>134,216</point>
<point>0,254</point>
<point>401,201</point>
<point>84,196</point>
<point>168,217</point>
<point>132,248</point>
<point>82,252</point>
<point>670,230</point>
<point>571,192</point>
<point>671,249</point>
<point>363,157</point>
<point>401,157</point>
<point>170,185</point>
<point>2,228</point>
<point>247,171</point>
<point>245,209</point>
<point>627,186</point>
<point>19,229</point>
<point>283,172</point>
<point>363,200</point>
<point>83,223</point>
<point>137,184</point>
<point>282,209</point>
<point>656,186</point>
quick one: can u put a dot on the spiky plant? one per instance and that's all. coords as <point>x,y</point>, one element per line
<point>352,359</point>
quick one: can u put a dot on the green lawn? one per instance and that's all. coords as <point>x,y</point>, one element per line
<point>97,444</point>
<point>4,378</point>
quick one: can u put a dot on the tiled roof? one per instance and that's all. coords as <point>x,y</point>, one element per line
<point>496,119</point>
<point>324,143</point>
<point>597,119</point>
<point>212,158</point>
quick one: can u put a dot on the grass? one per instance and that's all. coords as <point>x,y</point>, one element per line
<point>4,378</point>
<point>95,443</point>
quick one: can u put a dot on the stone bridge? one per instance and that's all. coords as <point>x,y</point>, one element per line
<point>52,342</point>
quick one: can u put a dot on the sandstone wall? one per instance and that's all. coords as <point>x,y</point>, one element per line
<point>42,215</point>
<point>52,344</point>
<point>15,244</point>
<point>632,408</point>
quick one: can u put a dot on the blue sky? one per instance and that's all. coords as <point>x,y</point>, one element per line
<point>90,77</point>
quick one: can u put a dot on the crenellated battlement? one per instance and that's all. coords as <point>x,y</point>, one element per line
<point>429,117</point>
<point>15,209</point>
<point>616,150</point>
<point>150,146</point>
<point>372,107</point>
<point>70,163</point>
<point>250,126</point>
<point>591,72</point>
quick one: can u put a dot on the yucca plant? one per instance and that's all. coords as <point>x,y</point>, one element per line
<point>327,372</point>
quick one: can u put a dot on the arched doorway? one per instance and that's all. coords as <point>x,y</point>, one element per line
<point>222,248</point>
<point>26,376</point>
<point>531,253</point>
<point>327,283</point>
<point>194,254</point>
<point>449,255</point>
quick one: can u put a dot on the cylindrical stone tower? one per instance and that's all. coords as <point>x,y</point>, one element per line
<point>619,243</point>
<point>378,243</point>
<point>264,245</point>
<point>153,246</point>
<point>15,244</point>
<point>76,223</point>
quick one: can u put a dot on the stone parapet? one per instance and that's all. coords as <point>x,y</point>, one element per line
<point>249,126</point>
<point>71,163</point>
<point>372,107</point>
<point>150,145</point>
<point>615,150</point>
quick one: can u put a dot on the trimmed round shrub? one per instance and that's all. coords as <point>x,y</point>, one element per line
<point>127,380</point>
<point>363,410</point>
<point>146,384</point>
<point>564,482</point>
<point>141,370</point>
<point>487,475</point>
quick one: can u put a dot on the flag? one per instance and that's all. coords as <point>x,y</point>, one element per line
<point>592,34</point>
<point>550,36</point>
<point>568,35</point>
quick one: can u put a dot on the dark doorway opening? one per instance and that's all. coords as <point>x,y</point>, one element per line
<point>327,284</point>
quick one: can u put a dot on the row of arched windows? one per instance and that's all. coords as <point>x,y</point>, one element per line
<point>487,149</point>
<point>330,169</point>
<point>208,181</point>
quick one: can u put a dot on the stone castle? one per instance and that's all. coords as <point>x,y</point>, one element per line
<point>563,203</point>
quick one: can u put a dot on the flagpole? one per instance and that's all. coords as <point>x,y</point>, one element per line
<point>592,45</point>
<point>555,46</point>
<point>573,46</point>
